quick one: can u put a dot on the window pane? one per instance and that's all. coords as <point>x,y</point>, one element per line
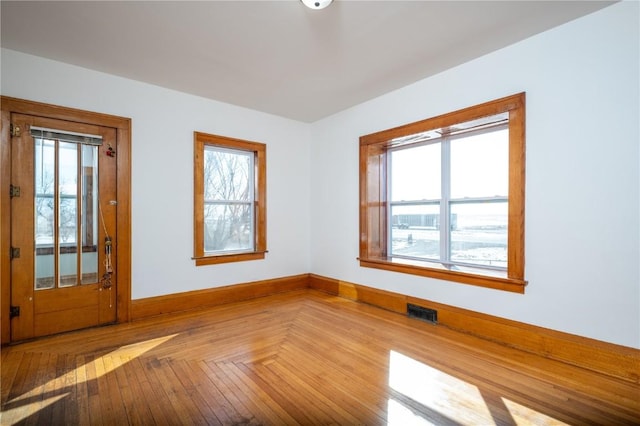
<point>480,165</point>
<point>479,233</point>
<point>414,231</point>
<point>415,173</point>
<point>482,169</point>
<point>229,199</point>
<point>89,263</point>
<point>228,227</point>
<point>227,174</point>
<point>68,211</point>
<point>44,212</point>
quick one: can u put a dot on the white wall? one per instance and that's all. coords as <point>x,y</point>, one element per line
<point>582,185</point>
<point>163,122</point>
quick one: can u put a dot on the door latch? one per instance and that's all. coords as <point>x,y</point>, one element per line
<point>14,191</point>
<point>14,311</point>
<point>14,130</point>
<point>15,253</point>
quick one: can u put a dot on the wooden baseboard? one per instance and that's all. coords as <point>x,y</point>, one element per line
<point>602,357</point>
<point>179,302</point>
<point>605,358</point>
<point>324,284</point>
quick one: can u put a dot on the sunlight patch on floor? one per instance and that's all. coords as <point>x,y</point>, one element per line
<point>22,412</point>
<point>102,366</point>
<point>525,416</point>
<point>399,415</point>
<point>423,395</point>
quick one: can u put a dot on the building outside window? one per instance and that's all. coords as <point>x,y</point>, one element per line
<point>444,197</point>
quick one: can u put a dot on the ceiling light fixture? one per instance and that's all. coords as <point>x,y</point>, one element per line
<point>316,4</point>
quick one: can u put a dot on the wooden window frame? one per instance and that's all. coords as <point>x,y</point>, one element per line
<point>201,140</point>
<point>373,197</point>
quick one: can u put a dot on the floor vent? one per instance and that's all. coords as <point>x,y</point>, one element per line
<point>425,314</point>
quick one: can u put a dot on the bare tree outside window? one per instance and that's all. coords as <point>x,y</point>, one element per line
<point>228,185</point>
<point>45,199</point>
<point>229,199</point>
<point>45,216</point>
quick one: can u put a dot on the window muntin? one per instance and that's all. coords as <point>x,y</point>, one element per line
<point>229,215</point>
<point>463,181</point>
<point>444,197</point>
<point>66,170</point>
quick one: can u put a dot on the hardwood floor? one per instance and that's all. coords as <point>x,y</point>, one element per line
<point>303,358</point>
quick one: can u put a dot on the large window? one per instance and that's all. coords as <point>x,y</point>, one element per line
<point>229,199</point>
<point>444,197</point>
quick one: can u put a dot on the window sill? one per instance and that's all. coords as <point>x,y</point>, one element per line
<point>228,258</point>
<point>412,267</point>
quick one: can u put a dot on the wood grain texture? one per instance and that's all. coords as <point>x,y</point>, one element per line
<point>122,126</point>
<point>198,299</point>
<point>300,357</point>
<point>602,357</point>
<point>320,283</point>
<point>606,358</point>
<point>5,224</point>
<point>383,299</point>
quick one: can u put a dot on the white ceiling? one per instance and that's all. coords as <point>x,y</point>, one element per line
<point>277,56</point>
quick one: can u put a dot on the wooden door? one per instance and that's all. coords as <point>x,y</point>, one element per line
<point>63,226</point>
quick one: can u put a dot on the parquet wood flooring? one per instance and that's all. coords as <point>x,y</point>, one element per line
<point>298,358</point>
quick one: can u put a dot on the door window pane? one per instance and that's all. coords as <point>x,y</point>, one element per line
<point>65,243</point>
<point>68,213</point>
<point>44,213</point>
<point>89,215</point>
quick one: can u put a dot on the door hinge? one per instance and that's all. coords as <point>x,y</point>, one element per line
<point>14,130</point>
<point>14,191</point>
<point>15,253</point>
<point>14,311</point>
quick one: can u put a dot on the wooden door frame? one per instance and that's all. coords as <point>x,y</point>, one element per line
<point>122,266</point>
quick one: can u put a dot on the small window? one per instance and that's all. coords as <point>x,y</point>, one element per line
<point>444,197</point>
<point>229,199</point>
